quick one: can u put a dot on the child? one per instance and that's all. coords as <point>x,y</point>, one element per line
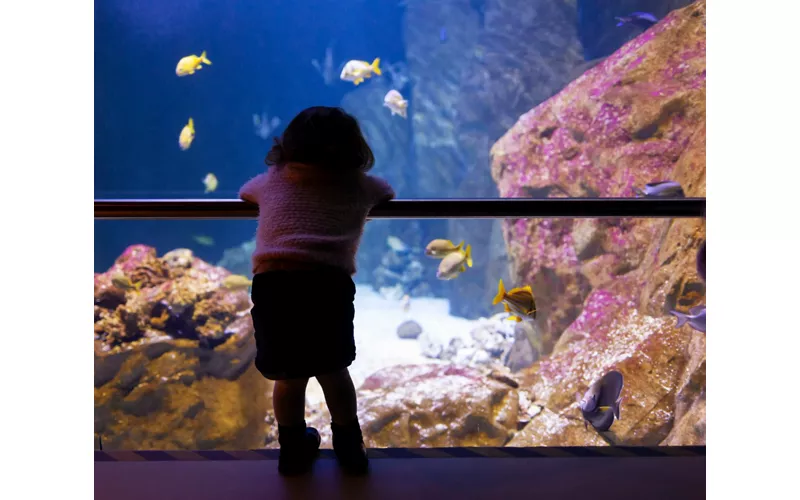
<point>313,204</point>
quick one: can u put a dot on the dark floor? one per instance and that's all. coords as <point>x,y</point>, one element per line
<point>596,478</point>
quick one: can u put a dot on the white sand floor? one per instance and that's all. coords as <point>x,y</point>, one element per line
<point>377,343</point>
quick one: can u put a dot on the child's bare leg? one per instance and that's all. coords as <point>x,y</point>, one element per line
<point>348,443</point>
<point>340,396</point>
<point>289,401</point>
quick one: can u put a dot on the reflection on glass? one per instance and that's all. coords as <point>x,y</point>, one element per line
<point>438,363</point>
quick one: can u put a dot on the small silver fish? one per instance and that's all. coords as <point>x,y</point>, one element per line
<point>662,189</point>
<point>600,405</point>
<point>641,20</point>
<point>696,318</point>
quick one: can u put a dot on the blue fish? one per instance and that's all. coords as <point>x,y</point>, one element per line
<point>696,318</point>
<point>641,20</point>
<point>661,189</point>
<point>443,35</point>
<point>600,404</point>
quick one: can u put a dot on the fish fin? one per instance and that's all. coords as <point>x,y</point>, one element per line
<point>358,80</point>
<point>501,293</point>
<point>469,255</point>
<point>616,408</point>
<point>682,318</point>
<point>191,124</point>
<point>460,246</point>
<point>204,58</point>
<point>199,66</point>
<point>462,268</point>
<point>517,318</point>
<point>696,310</point>
<point>505,306</point>
<point>376,66</point>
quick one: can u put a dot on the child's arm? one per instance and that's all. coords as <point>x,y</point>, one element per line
<point>249,192</point>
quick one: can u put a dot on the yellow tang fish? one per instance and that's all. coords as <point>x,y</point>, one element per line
<point>187,135</point>
<point>189,64</point>
<point>518,301</point>
<point>210,182</point>
<point>355,71</point>
<point>453,265</point>
<point>442,248</point>
<point>236,282</point>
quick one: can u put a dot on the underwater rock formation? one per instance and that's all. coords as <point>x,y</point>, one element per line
<point>173,358</point>
<point>663,367</point>
<point>500,58</point>
<point>638,117</point>
<point>431,406</point>
<point>598,28</point>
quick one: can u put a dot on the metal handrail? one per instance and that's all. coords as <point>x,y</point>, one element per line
<point>501,208</point>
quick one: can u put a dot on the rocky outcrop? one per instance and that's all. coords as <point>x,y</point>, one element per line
<point>173,356</point>
<point>636,118</point>
<point>499,58</point>
<point>431,406</point>
<point>604,287</point>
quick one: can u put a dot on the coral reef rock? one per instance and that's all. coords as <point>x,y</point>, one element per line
<point>173,357</point>
<point>494,342</point>
<point>637,117</point>
<point>501,58</point>
<point>431,406</point>
<point>663,398</point>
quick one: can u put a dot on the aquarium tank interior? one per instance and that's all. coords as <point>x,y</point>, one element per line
<point>459,99</point>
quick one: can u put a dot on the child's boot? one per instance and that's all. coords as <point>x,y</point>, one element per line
<point>348,444</point>
<point>299,447</point>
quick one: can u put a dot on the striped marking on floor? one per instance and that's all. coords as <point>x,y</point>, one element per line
<point>503,452</point>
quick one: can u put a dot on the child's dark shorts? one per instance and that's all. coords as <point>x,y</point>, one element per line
<point>303,322</point>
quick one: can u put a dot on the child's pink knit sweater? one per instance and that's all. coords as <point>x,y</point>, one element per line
<point>311,215</point>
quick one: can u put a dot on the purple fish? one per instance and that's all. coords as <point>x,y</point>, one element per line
<point>696,318</point>
<point>661,189</point>
<point>701,261</point>
<point>641,20</point>
<point>600,403</point>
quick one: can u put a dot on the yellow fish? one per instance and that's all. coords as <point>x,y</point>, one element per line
<point>119,280</point>
<point>189,64</point>
<point>355,71</point>
<point>518,301</point>
<point>454,264</point>
<point>204,240</point>
<point>210,182</point>
<point>187,135</point>
<point>236,282</point>
<point>442,248</point>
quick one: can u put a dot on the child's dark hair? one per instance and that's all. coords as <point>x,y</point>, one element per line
<point>325,137</point>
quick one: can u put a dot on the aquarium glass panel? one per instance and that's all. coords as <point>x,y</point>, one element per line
<point>610,348</point>
<point>457,98</point>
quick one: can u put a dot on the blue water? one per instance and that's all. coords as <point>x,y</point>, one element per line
<point>261,52</point>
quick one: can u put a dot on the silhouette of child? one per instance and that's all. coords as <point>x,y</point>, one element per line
<point>313,204</point>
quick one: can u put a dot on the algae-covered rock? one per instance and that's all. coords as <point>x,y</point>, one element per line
<point>636,118</point>
<point>173,357</point>
<point>431,406</point>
